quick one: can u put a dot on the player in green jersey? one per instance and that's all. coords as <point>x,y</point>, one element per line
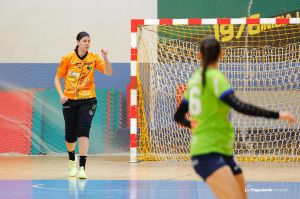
<point>209,98</point>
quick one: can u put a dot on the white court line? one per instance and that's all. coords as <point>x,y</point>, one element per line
<point>40,186</point>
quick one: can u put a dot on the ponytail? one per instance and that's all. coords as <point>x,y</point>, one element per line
<point>210,50</point>
<point>204,68</point>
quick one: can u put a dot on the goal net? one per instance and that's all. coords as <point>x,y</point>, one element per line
<point>261,61</point>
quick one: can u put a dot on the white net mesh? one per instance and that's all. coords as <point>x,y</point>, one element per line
<point>260,61</point>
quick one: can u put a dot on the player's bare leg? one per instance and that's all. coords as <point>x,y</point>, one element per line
<point>223,184</point>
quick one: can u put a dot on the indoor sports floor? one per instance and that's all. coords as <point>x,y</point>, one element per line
<point>34,177</point>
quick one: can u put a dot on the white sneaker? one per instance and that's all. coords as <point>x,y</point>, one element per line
<point>81,173</point>
<point>72,167</point>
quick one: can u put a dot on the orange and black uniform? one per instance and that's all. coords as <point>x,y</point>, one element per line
<point>80,90</point>
<point>79,74</point>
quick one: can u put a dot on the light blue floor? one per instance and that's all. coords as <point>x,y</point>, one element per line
<point>160,189</point>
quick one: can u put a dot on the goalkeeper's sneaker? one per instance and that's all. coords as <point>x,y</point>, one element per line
<point>72,167</point>
<point>81,173</point>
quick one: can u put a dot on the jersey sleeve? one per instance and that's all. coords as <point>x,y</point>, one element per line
<point>62,68</point>
<point>99,64</point>
<point>220,85</point>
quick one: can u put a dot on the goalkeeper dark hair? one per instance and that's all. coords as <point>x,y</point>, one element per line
<point>80,36</point>
<point>210,49</point>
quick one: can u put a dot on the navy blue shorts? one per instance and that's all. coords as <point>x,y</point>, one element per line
<point>207,164</point>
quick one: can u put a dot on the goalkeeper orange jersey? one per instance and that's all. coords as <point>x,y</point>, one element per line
<point>79,74</point>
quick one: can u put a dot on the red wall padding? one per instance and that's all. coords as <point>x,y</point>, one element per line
<point>15,121</point>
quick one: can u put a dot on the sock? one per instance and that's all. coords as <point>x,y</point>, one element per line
<point>71,155</point>
<point>82,161</point>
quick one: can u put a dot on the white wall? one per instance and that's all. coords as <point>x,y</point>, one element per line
<point>41,31</point>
